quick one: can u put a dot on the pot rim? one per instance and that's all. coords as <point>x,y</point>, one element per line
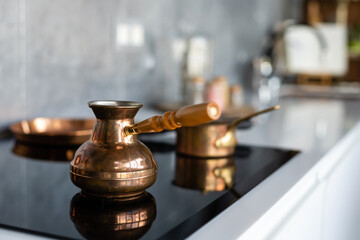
<point>114,104</point>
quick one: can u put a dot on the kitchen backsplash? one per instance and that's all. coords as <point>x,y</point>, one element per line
<point>55,56</point>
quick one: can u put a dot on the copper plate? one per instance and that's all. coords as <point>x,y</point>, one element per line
<point>53,131</point>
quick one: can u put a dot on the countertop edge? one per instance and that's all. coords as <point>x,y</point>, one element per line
<point>259,214</point>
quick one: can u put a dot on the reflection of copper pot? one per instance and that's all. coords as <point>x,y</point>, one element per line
<point>214,139</point>
<point>54,153</point>
<point>206,174</point>
<point>114,163</point>
<point>106,218</point>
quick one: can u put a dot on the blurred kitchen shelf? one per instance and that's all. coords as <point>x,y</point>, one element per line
<point>343,91</point>
<point>355,56</point>
<point>333,11</point>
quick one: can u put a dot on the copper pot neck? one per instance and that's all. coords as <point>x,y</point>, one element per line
<point>108,109</point>
<point>111,132</point>
<point>112,118</point>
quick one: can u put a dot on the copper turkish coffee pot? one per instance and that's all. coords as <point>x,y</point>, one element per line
<point>114,163</point>
<point>214,139</point>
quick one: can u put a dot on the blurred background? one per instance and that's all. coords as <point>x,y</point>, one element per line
<point>246,55</point>
<point>55,56</point>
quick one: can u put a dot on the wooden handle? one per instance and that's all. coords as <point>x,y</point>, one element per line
<point>187,116</point>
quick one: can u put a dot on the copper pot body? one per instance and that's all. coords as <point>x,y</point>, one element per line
<point>112,164</point>
<point>200,141</point>
<point>205,174</point>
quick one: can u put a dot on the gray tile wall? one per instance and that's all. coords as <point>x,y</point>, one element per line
<point>55,56</point>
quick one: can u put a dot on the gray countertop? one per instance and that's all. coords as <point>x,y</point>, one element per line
<point>322,129</point>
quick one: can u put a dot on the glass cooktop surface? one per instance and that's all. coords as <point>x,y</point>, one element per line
<point>37,195</point>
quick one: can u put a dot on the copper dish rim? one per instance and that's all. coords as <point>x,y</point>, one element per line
<point>79,132</point>
<point>114,104</point>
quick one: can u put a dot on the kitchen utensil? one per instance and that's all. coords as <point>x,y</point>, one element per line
<point>53,131</point>
<point>104,218</point>
<point>215,139</point>
<point>205,174</point>
<point>114,163</point>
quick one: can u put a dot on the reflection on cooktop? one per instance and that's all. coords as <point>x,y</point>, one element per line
<point>205,174</point>
<point>42,152</point>
<point>35,195</point>
<point>104,218</point>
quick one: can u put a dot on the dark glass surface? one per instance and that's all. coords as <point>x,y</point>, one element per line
<point>37,195</point>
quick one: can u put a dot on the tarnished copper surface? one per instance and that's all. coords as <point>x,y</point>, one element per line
<point>205,174</point>
<point>107,218</point>
<point>53,131</point>
<point>214,139</point>
<point>111,164</point>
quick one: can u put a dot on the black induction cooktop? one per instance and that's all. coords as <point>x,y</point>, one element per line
<point>37,196</point>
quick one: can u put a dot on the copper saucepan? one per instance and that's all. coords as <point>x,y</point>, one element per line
<point>214,139</point>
